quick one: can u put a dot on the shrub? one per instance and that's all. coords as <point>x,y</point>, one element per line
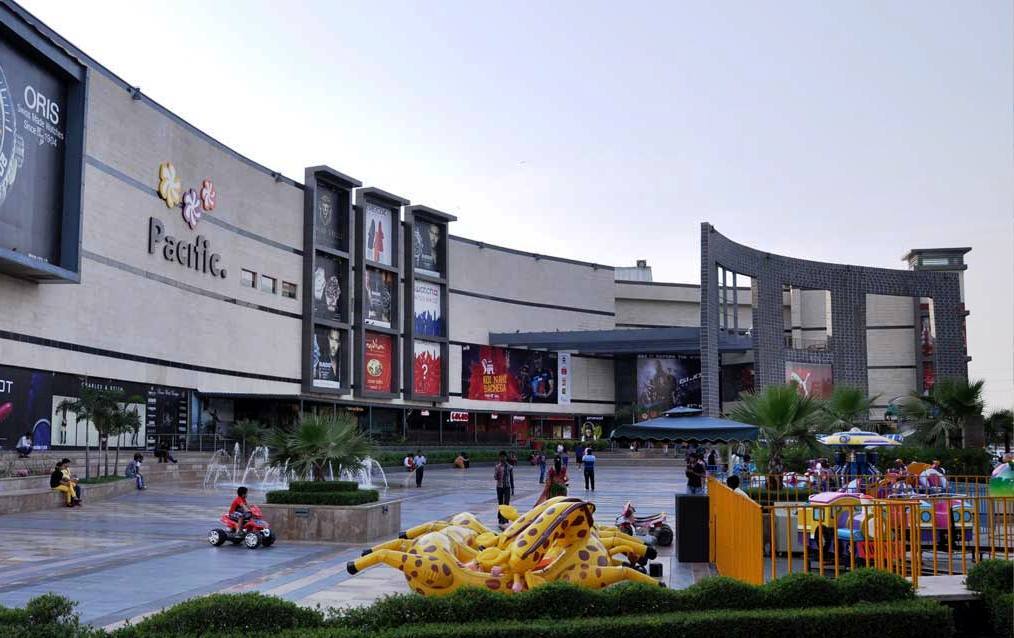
<point>45,616</point>
<point>872,586</point>
<point>795,590</point>
<point>323,486</point>
<point>288,497</point>
<point>50,609</point>
<point>722,592</point>
<point>10,616</point>
<point>224,613</point>
<point>1001,612</point>
<point>992,576</point>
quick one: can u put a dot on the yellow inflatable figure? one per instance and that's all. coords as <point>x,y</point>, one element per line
<point>555,541</point>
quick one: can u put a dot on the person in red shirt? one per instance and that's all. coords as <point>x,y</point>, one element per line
<point>239,511</point>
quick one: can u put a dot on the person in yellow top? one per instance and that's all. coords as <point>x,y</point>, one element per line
<point>62,480</point>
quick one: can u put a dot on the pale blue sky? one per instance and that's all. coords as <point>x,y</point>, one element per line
<point>846,131</point>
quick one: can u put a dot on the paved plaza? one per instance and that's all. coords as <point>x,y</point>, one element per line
<point>123,558</point>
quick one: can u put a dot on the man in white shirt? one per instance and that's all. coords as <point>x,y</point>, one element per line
<point>24,446</point>
<point>733,483</point>
<point>420,465</point>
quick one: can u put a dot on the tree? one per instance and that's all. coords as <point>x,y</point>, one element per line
<point>248,431</point>
<point>999,427</point>
<point>84,408</point>
<point>125,420</point>
<point>781,413</point>
<point>320,441</point>
<point>941,415</point>
<point>848,407</point>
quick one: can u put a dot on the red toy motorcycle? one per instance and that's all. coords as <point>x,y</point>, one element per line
<point>653,526</point>
<point>254,534</point>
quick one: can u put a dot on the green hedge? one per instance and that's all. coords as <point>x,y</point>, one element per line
<point>447,456</point>
<point>563,600</point>
<point>323,486</point>
<point>993,579</point>
<point>222,613</point>
<point>288,497</point>
<point>45,616</point>
<point>905,619</point>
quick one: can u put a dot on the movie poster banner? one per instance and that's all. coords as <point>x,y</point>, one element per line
<point>489,373</point>
<point>326,357</point>
<point>814,380</point>
<point>428,319</point>
<point>426,239</point>
<point>327,291</point>
<point>426,367</point>
<point>379,237</point>
<point>331,227</point>
<point>665,382</point>
<point>379,298</point>
<point>378,356</point>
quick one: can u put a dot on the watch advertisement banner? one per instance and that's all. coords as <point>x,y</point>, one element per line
<point>489,373</point>
<point>327,291</point>
<point>326,357</point>
<point>426,246</point>
<point>33,107</point>
<point>330,227</point>
<point>379,237</point>
<point>665,382</point>
<point>379,298</point>
<point>563,374</point>
<point>426,368</point>
<point>377,361</point>
<point>41,403</point>
<point>426,301</point>
<point>814,380</point>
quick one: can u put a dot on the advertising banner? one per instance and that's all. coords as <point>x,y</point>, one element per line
<point>736,378</point>
<point>33,107</point>
<point>379,298</point>
<point>563,374</point>
<point>379,237</point>
<point>25,406</point>
<point>331,225</point>
<point>489,373</point>
<point>378,357</point>
<point>327,291</point>
<point>813,380</point>
<point>325,357</point>
<point>426,301</point>
<point>667,381</point>
<point>426,248</point>
<point>426,367</point>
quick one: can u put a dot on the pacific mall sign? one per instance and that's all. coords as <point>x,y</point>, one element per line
<point>196,255</point>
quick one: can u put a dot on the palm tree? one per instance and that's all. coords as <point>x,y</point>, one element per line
<point>999,426</point>
<point>319,441</point>
<point>847,407</point>
<point>248,431</point>
<point>124,421</point>
<point>941,415</point>
<point>781,413</point>
<point>85,409</point>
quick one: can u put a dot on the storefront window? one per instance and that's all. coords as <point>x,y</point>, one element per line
<point>385,425</point>
<point>423,426</point>
<point>493,429</point>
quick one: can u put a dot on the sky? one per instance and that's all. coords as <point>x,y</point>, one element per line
<point>846,132</point>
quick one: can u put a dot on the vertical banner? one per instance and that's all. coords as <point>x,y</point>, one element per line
<point>426,301</point>
<point>379,297</point>
<point>378,234</point>
<point>426,248</point>
<point>325,357</point>
<point>426,369</point>
<point>563,375</point>
<point>377,360</point>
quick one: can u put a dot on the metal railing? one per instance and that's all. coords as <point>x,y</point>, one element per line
<point>769,489</point>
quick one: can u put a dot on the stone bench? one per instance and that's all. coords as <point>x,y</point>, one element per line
<point>43,497</point>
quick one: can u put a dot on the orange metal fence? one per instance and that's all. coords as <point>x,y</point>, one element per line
<point>736,543</point>
<point>767,488</point>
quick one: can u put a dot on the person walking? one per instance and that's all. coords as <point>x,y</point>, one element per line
<point>502,473</point>
<point>696,471</point>
<point>589,469</point>
<point>556,482</point>
<point>420,466</point>
<point>541,460</point>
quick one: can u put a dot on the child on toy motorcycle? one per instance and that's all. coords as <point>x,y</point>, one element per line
<point>239,510</point>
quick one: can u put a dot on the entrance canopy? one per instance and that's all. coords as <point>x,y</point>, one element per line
<point>685,340</point>
<point>685,425</point>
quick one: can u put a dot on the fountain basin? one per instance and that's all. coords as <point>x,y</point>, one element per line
<point>334,524</point>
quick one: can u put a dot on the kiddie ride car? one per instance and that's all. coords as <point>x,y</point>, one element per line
<point>652,527</point>
<point>255,531</point>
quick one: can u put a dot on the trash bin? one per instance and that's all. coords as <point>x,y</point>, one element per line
<point>692,529</point>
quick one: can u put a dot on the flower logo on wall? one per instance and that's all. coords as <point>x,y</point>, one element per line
<point>208,195</point>
<point>169,187</point>
<point>191,208</point>
<point>192,202</point>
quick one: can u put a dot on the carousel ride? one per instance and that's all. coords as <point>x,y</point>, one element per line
<point>556,541</point>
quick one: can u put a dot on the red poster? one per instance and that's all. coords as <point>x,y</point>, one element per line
<point>426,369</point>
<point>490,378</point>
<point>813,380</point>
<point>377,362</point>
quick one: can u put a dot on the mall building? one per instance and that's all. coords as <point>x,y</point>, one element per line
<point>140,255</point>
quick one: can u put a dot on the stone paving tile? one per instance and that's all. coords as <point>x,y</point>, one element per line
<point>129,556</point>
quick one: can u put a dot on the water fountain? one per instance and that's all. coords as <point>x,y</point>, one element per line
<point>259,474</point>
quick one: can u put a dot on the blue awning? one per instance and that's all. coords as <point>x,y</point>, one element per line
<point>677,428</point>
